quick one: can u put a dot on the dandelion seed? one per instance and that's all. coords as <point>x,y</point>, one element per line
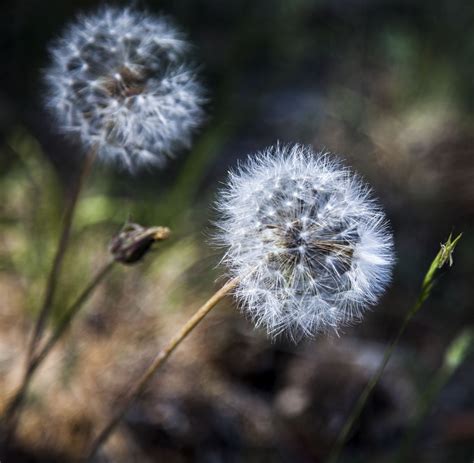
<point>119,81</point>
<point>316,265</point>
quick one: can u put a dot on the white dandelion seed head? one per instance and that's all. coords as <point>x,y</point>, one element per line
<point>119,81</point>
<point>308,243</point>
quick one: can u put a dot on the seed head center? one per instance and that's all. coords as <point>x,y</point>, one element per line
<point>125,83</point>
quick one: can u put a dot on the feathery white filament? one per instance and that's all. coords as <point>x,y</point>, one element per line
<point>118,81</point>
<point>307,241</point>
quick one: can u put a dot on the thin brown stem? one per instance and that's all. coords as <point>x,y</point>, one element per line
<point>138,386</point>
<point>11,415</point>
<point>72,311</point>
<point>59,256</point>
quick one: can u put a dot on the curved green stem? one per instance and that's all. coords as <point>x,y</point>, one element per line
<point>444,256</point>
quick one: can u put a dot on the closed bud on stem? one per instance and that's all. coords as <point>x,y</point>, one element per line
<point>134,241</point>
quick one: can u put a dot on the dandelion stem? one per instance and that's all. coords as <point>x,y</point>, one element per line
<point>11,415</point>
<point>59,256</point>
<point>138,387</point>
<point>443,256</point>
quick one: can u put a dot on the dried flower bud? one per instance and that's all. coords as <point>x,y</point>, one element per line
<point>134,241</point>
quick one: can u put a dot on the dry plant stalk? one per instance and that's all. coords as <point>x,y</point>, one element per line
<point>131,244</point>
<point>12,412</point>
<point>59,256</point>
<point>138,387</point>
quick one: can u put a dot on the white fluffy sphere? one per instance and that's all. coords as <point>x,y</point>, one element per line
<point>309,245</point>
<point>119,81</point>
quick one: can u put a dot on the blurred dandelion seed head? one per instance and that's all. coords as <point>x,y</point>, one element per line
<point>119,81</point>
<point>306,239</point>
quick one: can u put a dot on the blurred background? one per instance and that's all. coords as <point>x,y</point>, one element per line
<point>388,85</point>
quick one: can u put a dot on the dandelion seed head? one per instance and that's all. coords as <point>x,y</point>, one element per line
<point>119,81</point>
<point>306,262</point>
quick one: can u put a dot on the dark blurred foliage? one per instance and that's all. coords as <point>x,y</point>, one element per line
<point>387,84</point>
